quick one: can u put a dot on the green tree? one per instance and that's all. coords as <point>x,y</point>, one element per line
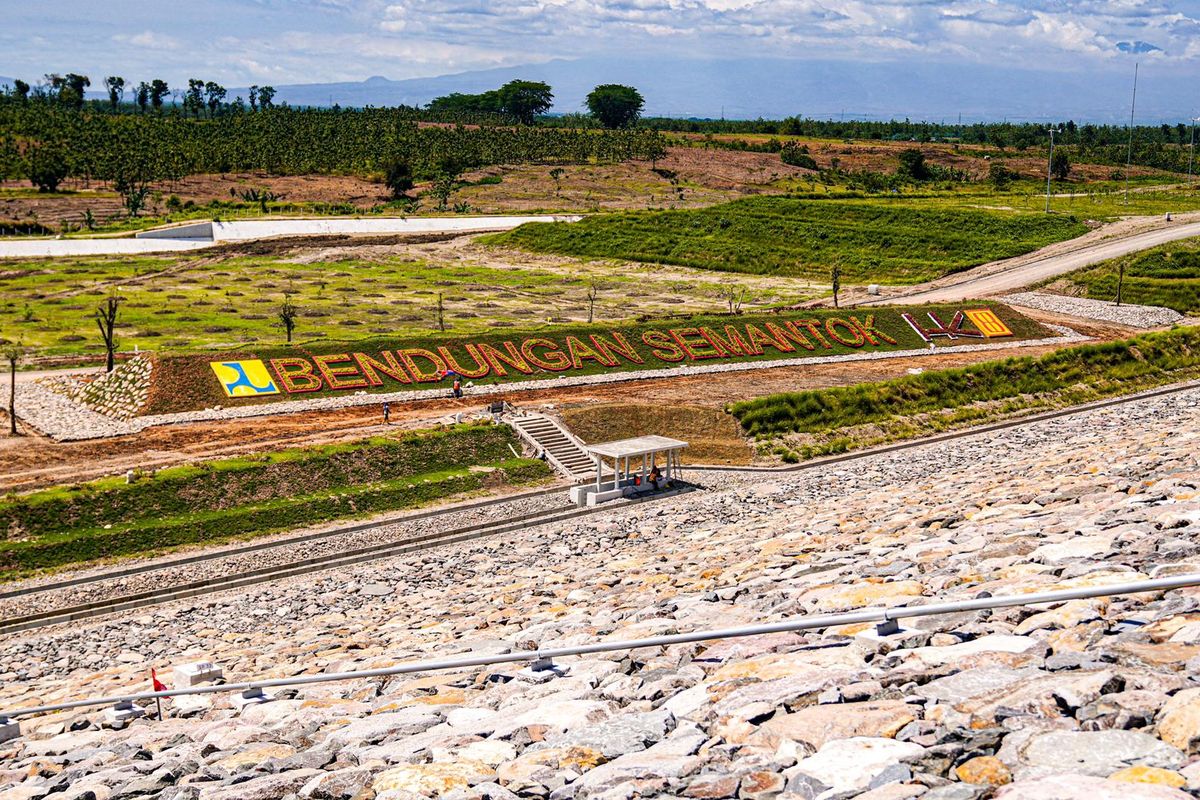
<point>254,97</point>
<point>266,97</point>
<point>106,321</point>
<point>1060,164</point>
<point>47,166</point>
<point>797,155</point>
<point>158,90</point>
<point>141,96</point>
<point>835,281</point>
<point>912,165</point>
<point>525,100</point>
<point>116,90</point>
<point>1000,176</point>
<point>443,187</point>
<point>13,355</point>
<point>399,178</point>
<point>20,90</point>
<point>214,95</point>
<point>133,185</point>
<point>288,314</point>
<point>193,98</point>
<point>616,106</point>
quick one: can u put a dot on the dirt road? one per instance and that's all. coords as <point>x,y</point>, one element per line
<point>1046,263</point>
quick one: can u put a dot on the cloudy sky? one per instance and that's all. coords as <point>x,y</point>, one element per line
<point>304,41</point>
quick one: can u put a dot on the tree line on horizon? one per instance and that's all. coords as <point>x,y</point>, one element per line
<point>610,105</point>
<point>518,101</point>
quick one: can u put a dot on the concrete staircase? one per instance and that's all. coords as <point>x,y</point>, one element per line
<point>561,448</point>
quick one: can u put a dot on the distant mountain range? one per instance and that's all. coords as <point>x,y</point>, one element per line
<point>776,88</point>
<point>823,89</point>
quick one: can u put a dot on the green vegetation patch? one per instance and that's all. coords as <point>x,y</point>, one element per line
<point>880,241</point>
<point>806,424</point>
<point>183,304</point>
<point>1164,276</point>
<point>184,383</point>
<point>255,494</point>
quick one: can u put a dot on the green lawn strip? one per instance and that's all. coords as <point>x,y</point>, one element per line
<point>185,383</point>
<point>1168,276</point>
<point>887,241</point>
<point>806,424</point>
<point>235,482</point>
<point>147,536</point>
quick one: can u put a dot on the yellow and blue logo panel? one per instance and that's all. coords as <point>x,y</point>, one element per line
<point>244,378</point>
<point>988,323</point>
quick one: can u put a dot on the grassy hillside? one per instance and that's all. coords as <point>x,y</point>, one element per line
<point>251,495</point>
<point>188,303</point>
<point>805,424</point>
<point>886,241</point>
<point>1164,276</point>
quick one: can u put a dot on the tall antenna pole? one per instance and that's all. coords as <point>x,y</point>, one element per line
<point>1129,156</point>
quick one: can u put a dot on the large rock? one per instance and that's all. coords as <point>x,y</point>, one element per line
<point>853,765</point>
<point>432,780</point>
<point>378,727</point>
<point>268,787</point>
<point>615,736</point>
<point>1099,753</point>
<point>1179,723</point>
<point>673,757</point>
<point>1085,787</point>
<point>816,725</point>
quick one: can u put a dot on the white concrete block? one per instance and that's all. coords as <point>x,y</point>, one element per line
<point>118,716</point>
<point>188,675</point>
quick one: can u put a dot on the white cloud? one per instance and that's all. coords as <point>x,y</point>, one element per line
<point>151,40</point>
<point>321,40</point>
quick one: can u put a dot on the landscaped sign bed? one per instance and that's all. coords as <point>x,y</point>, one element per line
<point>388,366</point>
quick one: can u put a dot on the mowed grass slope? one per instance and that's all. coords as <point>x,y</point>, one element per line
<point>1164,276</point>
<point>251,495</point>
<point>885,241</point>
<point>805,424</point>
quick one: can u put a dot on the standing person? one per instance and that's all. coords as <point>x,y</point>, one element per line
<point>457,390</point>
<point>387,412</point>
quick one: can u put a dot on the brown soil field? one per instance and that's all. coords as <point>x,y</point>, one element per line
<point>704,176</point>
<point>30,461</point>
<point>878,156</point>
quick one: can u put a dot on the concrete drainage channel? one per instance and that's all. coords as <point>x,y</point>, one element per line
<point>197,235</point>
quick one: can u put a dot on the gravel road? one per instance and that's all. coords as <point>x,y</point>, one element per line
<point>1027,272</point>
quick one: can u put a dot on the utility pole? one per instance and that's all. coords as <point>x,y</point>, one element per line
<point>1049,169</point>
<point>1129,156</point>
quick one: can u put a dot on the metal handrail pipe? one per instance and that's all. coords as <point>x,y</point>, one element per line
<point>544,655</point>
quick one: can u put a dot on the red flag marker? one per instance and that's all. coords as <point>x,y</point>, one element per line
<point>159,686</point>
